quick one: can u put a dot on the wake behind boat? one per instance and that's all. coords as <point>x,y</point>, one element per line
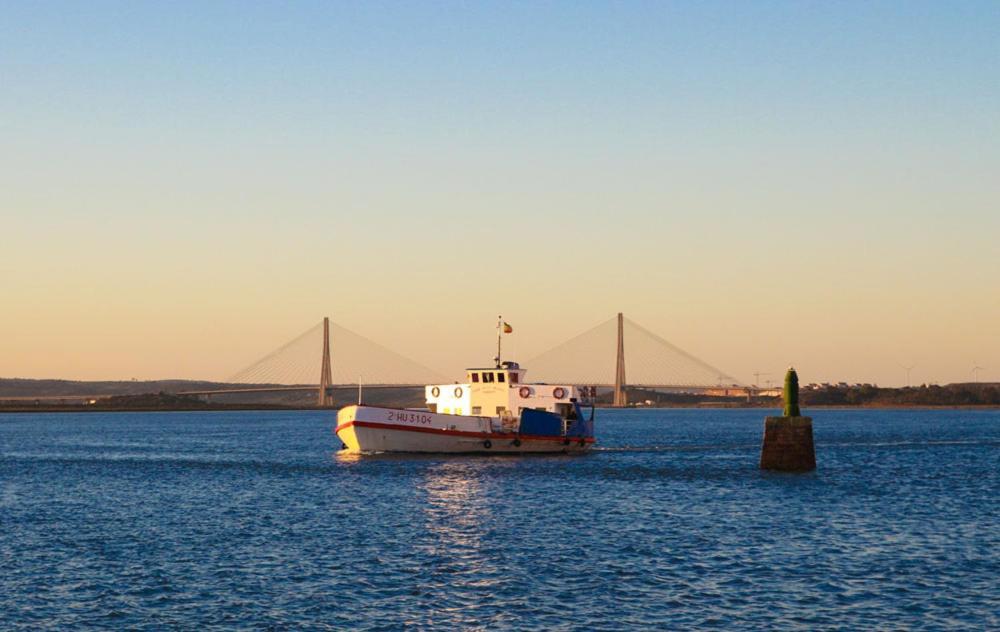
<point>494,411</point>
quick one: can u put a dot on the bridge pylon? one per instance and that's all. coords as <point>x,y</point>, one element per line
<point>621,398</point>
<point>325,399</point>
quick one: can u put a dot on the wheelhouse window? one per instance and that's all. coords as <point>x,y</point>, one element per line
<point>500,377</point>
<point>487,377</point>
<point>475,378</point>
<point>513,378</point>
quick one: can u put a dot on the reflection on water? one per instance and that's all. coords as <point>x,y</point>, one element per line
<point>344,457</point>
<point>456,513</point>
<point>455,508</point>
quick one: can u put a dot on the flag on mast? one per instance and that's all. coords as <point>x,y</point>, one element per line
<point>507,329</point>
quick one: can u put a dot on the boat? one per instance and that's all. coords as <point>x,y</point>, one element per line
<point>495,411</point>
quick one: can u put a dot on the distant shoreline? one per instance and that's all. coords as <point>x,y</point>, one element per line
<point>714,406</point>
<point>259,408</point>
<point>177,409</point>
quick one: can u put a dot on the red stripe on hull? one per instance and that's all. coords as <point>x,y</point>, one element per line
<point>459,433</point>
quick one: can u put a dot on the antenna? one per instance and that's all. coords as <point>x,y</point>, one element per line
<point>975,371</point>
<point>907,369</point>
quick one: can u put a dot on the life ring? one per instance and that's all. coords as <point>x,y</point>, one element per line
<point>458,391</point>
<point>516,443</point>
<point>435,391</point>
<point>487,444</point>
<point>559,392</point>
<point>524,392</point>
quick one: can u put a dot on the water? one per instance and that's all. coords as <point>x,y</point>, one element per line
<point>249,519</point>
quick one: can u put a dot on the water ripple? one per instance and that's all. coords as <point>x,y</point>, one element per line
<point>252,520</point>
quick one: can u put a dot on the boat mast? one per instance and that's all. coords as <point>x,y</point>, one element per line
<point>499,332</point>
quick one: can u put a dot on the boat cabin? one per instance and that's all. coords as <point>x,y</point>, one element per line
<point>499,391</point>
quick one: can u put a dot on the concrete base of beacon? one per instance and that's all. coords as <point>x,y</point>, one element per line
<point>788,445</point>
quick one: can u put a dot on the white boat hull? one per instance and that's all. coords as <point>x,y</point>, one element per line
<point>370,429</point>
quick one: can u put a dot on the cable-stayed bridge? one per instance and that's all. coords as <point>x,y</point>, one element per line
<point>620,352</point>
<point>616,353</point>
<point>303,359</point>
<point>298,363</point>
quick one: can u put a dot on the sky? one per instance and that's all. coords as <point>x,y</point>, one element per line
<point>185,186</point>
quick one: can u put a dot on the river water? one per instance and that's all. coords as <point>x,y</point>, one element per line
<point>250,519</point>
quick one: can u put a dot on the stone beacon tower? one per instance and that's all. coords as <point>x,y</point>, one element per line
<point>788,440</point>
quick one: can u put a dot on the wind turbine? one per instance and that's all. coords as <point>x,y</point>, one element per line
<point>975,371</point>
<point>907,369</point>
